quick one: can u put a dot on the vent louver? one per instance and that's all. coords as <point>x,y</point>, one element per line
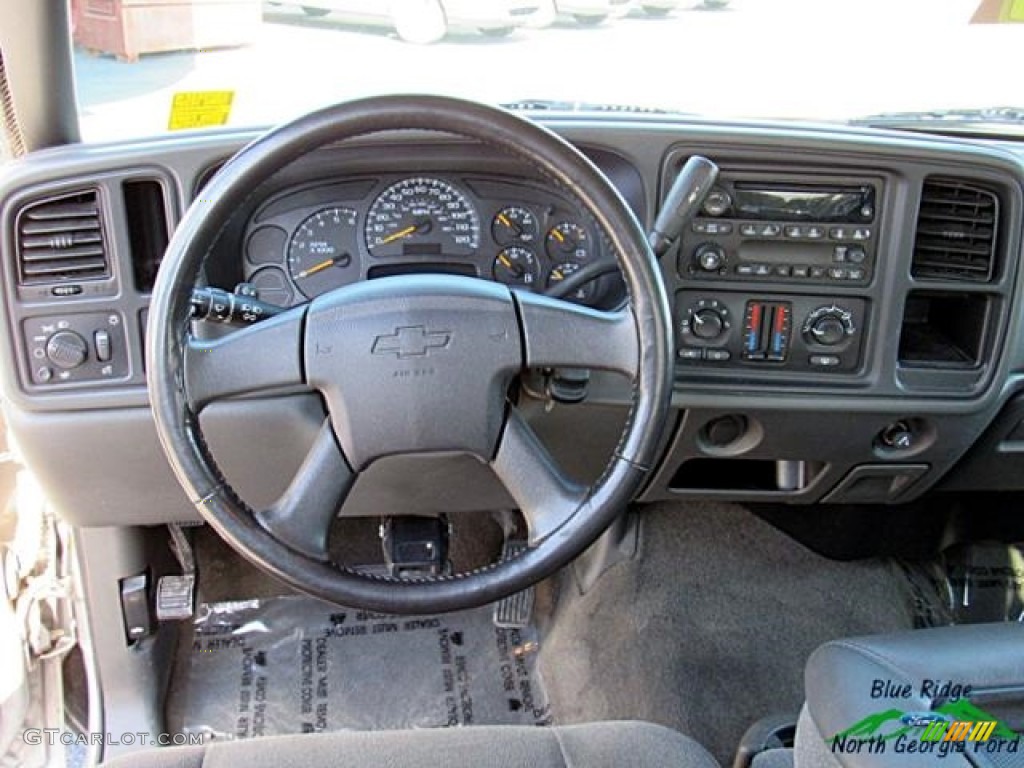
<point>61,239</point>
<point>956,231</point>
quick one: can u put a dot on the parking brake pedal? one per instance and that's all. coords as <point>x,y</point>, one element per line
<point>415,546</point>
<point>514,611</point>
<point>176,595</point>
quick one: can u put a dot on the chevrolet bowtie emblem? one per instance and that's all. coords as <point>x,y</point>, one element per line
<point>410,341</point>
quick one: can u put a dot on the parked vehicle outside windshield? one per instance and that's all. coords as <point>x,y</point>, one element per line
<point>794,59</point>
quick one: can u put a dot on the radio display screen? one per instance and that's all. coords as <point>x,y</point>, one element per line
<point>795,203</point>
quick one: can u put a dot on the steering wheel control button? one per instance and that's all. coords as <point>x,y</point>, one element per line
<point>67,350</point>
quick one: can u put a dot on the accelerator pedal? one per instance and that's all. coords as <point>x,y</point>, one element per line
<point>514,611</point>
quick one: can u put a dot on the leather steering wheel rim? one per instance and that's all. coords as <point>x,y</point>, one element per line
<point>170,347</point>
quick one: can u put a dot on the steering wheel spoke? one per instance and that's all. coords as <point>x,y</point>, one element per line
<point>545,495</point>
<point>257,358</point>
<point>558,333</point>
<point>301,518</point>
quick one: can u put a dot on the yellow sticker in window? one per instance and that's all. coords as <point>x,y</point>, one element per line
<point>200,109</point>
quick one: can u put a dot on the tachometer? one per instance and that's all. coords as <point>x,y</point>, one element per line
<point>422,216</point>
<point>322,252</point>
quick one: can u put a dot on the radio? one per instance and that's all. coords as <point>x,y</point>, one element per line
<point>794,231</point>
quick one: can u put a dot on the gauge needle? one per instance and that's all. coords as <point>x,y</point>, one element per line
<point>422,227</point>
<point>558,235</point>
<point>505,220</point>
<point>323,265</point>
<point>557,274</point>
<point>504,260</point>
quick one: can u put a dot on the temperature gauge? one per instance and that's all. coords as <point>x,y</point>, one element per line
<point>568,240</point>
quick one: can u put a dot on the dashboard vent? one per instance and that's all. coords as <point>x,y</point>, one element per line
<point>956,231</point>
<point>61,239</point>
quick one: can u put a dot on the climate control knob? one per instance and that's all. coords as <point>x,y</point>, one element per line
<point>66,349</point>
<point>828,326</point>
<point>707,324</point>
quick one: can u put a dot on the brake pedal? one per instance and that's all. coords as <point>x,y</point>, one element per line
<point>514,611</point>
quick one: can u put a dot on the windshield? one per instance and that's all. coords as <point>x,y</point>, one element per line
<point>244,63</point>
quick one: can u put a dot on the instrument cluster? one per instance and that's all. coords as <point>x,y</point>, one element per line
<point>306,241</point>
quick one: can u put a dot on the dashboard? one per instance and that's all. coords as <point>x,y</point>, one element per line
<point>847,306</point>
<point>312,239</point>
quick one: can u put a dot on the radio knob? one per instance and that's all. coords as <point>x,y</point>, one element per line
<point>828,326</point>
<point>710,257</point>
<point>66,349</point>
<point>707,324</point>
<point>717,202</point>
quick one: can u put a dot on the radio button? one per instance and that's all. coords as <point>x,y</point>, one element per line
<point>770,230</point>
<point>794,232</point>
<point>840,252</point>
<point>838,233</point>
<point>800,271</point>
<point>817,272</point>
<point>855,273</point>
<point>762,270</point>
<point>744,269</point>
<point>856,255</point>
<point>862,233</point>
<point>783,270</point>
<point>748,230</point>
<point>814,233</point>
<point>837,273</point>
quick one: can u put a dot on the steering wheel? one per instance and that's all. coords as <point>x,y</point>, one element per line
<point>407,364</point>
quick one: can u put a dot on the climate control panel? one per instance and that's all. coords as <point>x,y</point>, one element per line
<point>72,348</point>
<point>813,333</point>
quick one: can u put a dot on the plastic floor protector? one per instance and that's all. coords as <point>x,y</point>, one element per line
<point>297,665</point>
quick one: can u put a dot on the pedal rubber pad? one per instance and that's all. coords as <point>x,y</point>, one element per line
<point>176,597</point>
<point>514,611</point>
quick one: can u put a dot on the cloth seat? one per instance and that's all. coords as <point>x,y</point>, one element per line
<point>593,745</point>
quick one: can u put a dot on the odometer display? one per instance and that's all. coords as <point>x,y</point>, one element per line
<point>422,216</point>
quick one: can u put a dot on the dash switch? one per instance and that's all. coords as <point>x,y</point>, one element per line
<point>102,341</point>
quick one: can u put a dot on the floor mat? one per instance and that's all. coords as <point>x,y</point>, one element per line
<point>968,584</point>
<point>294,665</point>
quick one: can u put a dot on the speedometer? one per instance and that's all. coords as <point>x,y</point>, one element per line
<point>422,216</point>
